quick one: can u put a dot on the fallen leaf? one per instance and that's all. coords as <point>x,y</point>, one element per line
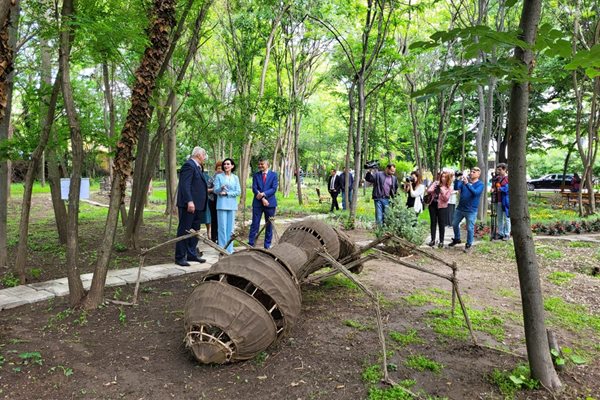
<point>262,377</point>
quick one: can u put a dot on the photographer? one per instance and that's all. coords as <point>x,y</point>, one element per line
<point>501,202</point>
<point>413,186</point>
<point>385,186</point>
<point>470,188</point>
<point>440,190</point>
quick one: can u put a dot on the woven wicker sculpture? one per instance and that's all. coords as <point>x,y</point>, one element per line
<point>250,299</point>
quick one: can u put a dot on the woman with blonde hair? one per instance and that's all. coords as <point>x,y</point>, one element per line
<point>440,191</point>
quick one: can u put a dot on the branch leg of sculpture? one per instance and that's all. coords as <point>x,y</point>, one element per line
<point>464,310</point>
<point>320,277</point>
<point>375,299</point>
<point>454,269</point>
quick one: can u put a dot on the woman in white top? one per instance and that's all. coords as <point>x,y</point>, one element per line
<point>414,188</point>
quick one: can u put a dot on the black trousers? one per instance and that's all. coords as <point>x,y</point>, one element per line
<point>438,217</point>
<point>214,224</point>
<point>334,202</point>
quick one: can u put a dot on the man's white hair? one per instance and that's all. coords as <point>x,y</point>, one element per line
<point>197,151</point>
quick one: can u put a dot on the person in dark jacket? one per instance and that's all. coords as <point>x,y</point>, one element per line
<point>212,203</point>
<point>385,187</point>
<point>333,185</point>
<point>192,198</point>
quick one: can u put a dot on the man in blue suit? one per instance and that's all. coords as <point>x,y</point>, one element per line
<point>264,187</point>
<point>192,196</point>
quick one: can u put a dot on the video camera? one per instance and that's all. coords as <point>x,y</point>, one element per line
<point>372,164</point>
<point>410,179</point>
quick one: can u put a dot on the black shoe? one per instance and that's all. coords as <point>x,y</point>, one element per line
<point>467,248</point>
<point>454,242</point>
<point>197,259</point>
<point>431,244</point>
<point>182,263</point>
<point>440,245</point>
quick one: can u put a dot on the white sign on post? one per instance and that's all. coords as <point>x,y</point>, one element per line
<point>84,190</point>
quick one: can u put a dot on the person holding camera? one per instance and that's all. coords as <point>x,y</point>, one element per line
<point>440,191</point>
<point>414,188</point>
<point>500,198</point>
<point>385,187</point>
<point>470,188</point>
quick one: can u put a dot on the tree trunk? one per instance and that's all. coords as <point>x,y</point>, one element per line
<point>21,258</point>
<point>109,111</point>
<point>144,168</point>
<point>76,291</point>
<point>58,205</point>
<point>8,37</point>
<point>164,20</point>
<point>170,151</point>
<point>536,339</point>
<point>350,201</point>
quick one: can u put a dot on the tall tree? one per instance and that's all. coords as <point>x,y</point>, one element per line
<point>163,14</point>
<point>76,291</point>
<point>536,337</point>
<point>9,17</point>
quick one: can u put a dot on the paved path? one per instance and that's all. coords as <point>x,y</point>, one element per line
<point>40,291</point>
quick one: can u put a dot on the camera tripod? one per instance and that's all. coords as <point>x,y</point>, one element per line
<point>493,216</point>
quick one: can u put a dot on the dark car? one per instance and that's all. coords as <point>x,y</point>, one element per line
<point>551,181</point>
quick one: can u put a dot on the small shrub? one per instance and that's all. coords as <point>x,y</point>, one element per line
<point>402,222</point>
<point>35,272</point>
<point>509,382</point>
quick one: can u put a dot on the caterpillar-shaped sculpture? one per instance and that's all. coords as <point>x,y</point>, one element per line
<point>250,299</point>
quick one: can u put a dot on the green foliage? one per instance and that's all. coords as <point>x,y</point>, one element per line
<point>9,280</point>
<point>32,357</point>
<point>372,374</point>
<point>560,277</point>
<point>574,317</point>
<point>509,382</point>
<point>339,280</point>
<point>402,222</point>
<point>410,336</point>
<point>261,358</point>
<point>122,316</point>
<point>422,363</point>
<point>548,253</point>
<point>36,272</point>
<point>357,325</point>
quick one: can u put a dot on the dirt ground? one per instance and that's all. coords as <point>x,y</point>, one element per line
<point>52,352</point>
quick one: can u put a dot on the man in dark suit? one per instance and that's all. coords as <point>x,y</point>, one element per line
<point>192,197</point>
<point>264,187</point>
<point>333,185</point>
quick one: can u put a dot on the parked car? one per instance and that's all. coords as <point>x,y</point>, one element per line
<point>551,181</point>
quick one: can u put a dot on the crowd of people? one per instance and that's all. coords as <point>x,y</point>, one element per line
<point>450,198</point>
<point>441,196</point>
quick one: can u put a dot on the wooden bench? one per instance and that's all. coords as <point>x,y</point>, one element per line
<point>572,198</point>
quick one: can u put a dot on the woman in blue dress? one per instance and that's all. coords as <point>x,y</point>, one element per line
<point>227,189</point>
